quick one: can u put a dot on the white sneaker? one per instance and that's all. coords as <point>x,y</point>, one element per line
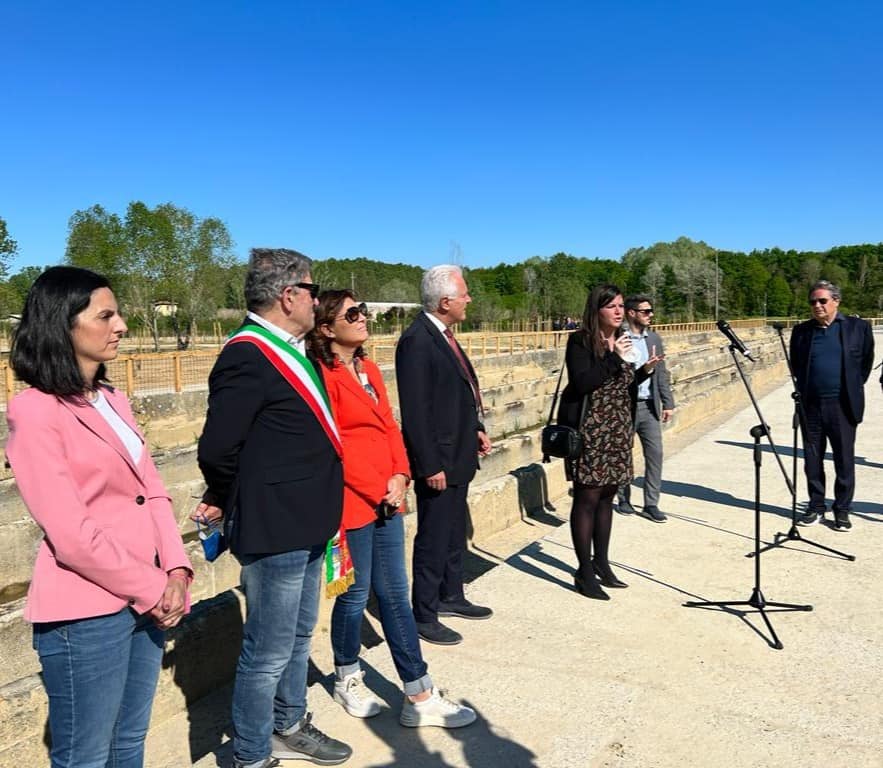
<point>353,695</point>
<point>436,710</point>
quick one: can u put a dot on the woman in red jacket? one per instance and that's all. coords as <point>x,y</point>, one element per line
<point>375,476</point>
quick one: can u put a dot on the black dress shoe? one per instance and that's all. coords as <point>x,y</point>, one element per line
<point>589,588</point>
<point>437,633</point>
<point>463,609</point>
<point>606,576</point>
<point>625,508</point>
<point>654,514</point>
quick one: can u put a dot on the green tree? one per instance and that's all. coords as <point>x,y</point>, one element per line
<point>8,248</point>
<point>154,255</point>
<point>778,297</point>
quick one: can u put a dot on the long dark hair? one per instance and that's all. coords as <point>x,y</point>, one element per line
<point>42,351</point>
<point>330,303</point>
<point>600,296</point>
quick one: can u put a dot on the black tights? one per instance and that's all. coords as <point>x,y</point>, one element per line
<point>591,519</point>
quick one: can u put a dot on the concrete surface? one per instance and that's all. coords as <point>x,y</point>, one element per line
<point>642,681</point>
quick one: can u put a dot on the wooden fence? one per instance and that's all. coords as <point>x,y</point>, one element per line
<point>181,371</point>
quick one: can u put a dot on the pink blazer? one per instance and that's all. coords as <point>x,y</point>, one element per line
<point>110,535</point>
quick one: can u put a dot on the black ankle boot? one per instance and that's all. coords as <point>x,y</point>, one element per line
<point>607,576</point>
<point>589,588</point>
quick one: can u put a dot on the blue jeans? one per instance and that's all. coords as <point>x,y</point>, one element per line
<point>378,554</point>
<point>100,675</point>
<point>282,604</point>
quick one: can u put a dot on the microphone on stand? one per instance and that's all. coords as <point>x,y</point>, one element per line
<point>735,342</point>
<point>778,326</point>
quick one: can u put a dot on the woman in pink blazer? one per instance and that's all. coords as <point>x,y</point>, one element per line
<point>111,573</point>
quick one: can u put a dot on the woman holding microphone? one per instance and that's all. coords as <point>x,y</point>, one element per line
<point>598,401</point>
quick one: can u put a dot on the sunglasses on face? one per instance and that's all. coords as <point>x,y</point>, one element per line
<point>813,302</point>
<point>645,311</point>
<point>313,288</point>
<point>352,314</point>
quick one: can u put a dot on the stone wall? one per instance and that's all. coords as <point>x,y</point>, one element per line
<point>201,653</point>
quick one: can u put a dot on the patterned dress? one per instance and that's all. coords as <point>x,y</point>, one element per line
<point>607,434</point>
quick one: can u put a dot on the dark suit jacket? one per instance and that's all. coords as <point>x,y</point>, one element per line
<point>439,415</point>
<point>857,343</point>
<point>266,459</point>
<point>585,374</point>
<point>660,384</point>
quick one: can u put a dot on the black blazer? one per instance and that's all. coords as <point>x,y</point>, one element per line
<point>585,374</point>
<point>440,419</point>
<point>266,459</point>
<point>857,344</point>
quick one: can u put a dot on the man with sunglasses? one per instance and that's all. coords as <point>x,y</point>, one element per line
<point>831,356</point>
<point>271,456</point>
<point>655,406</point>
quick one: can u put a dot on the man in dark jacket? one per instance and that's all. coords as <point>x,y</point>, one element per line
<point>270,455</point>
<point>442,425</point>
<point>655,406</point>
<point>831,355</point>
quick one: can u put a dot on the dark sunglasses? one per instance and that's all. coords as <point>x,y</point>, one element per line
<point>352,314</point>
<point>313,288</point>
<point>813,302</point>
<point>645,311</point>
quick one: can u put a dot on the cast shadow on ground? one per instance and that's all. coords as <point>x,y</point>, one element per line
<point>704,493</point>
<point>482,745</point>
<point>787,451</point>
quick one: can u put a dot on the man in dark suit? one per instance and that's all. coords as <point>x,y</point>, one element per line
<point>831,355</point>
<point>270,455</point>
<point>441,413</point>
<point>654,407</point>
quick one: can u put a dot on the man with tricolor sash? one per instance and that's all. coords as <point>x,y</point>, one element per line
<point>270,454</point>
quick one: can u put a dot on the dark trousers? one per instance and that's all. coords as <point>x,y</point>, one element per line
<point>438,549</point>
<point>826,421</point>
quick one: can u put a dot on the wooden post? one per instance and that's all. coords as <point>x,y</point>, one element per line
<point>176,367</point>
<point>484,345</point>
<point>10,382</point>
<point>130,376</point>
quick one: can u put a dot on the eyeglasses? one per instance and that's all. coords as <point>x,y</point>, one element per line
<point>352,314</point>
<point>645,311</point>
<point>313,288</point>
<point>813,302</point>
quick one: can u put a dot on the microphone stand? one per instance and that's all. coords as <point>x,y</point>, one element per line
<point>757,601</point>
<point>798,422</point>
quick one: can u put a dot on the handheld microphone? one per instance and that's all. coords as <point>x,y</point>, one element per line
<point>735,342</point>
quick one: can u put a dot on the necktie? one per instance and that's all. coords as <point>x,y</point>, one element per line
<point>455,348</point>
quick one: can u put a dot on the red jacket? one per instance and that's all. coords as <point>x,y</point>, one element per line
<point>373,449</point>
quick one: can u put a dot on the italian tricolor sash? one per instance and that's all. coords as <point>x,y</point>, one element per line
<point>296,370</point>
<point>300,374</point>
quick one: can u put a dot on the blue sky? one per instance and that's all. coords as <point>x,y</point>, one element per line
<point>411,131</point>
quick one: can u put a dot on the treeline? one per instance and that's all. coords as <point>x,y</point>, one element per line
<point>687,281</point>
<point>166,257</point>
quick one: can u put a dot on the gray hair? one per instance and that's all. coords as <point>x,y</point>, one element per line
<point>437,284</point>
<point>825,285</point>
<point>270,270</point>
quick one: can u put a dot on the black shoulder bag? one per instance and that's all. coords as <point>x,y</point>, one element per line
<point>560,440</point>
